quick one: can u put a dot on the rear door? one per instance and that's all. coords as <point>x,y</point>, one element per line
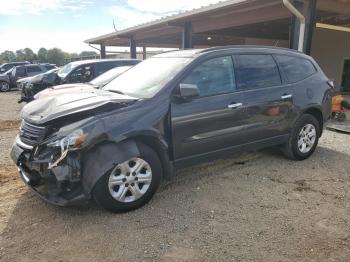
<point>267,100</point>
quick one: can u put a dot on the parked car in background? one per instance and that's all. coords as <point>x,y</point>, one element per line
<point>172,110</point>
<point>7,66</point>
<point>9,79</point>
<point>74,72</point>
<point>49,66</point>
<point>98,82</point>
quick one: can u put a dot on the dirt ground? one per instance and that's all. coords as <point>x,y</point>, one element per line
<point>251,207</point>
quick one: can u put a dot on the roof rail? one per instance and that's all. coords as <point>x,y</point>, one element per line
<point>246,46</point>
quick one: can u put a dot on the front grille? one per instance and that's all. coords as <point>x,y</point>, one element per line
<point>31,134</point>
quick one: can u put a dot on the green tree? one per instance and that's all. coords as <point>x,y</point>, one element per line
<point>29,55</point>
<point>7,56</point>
<point>88,53</point>
<point>55,56</point>
<point>20,56</point>
<point>42,54</point>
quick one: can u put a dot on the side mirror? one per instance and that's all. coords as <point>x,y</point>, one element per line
<point>9,73</point>
<point>188,91</point>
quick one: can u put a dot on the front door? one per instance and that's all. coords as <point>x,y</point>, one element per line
<point>207,123</point>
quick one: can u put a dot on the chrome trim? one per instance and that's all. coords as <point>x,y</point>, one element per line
<point>286,97</point>
<point>22,145</point>
<point>234,106</point>
<point>23,174</point>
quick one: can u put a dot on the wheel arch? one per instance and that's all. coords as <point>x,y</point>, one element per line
<point>318,114</point>
<point>162,150</point>
<point>97,161</point>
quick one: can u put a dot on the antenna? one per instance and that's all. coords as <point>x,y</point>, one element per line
<point>114,26</point>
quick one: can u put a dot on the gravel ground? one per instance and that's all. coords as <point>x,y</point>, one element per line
<point>252,207</point>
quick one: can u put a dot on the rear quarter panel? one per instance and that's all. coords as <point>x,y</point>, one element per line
<point>313,92</point>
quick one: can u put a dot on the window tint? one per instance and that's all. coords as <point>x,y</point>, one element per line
<point>256,71</point>
<point>130,62</point>
<point>295,68</point>
<point>33,69</point>
<point>81,74</point>
<point>7,67</point>
<point>213,77</point>
<point>49,67</point>
<point>100,68</point>
<point>20,71</point>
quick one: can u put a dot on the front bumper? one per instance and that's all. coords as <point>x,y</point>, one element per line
<point>53,186</point>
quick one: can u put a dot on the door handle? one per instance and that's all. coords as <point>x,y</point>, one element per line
<point>234,106</point>
<point>284,97</point>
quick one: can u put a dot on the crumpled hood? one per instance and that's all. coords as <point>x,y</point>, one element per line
<point>29,79</point>
<point>53,107</point>
<point>64,89</point>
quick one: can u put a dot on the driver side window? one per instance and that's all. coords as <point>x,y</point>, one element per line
<point>213,77</point>
<point>81,74</point>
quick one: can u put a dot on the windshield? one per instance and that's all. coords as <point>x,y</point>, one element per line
<point>8,71</point>
<point>65,70</point>
<point>108,76</point>
<point>148,77</point>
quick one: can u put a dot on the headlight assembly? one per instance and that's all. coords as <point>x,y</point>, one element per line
<point>72,141</point>
<point>68,143</point>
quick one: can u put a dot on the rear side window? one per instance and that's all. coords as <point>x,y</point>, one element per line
<point>19,71</point>
<point>256,71</point>
<point>295,68</point>
<point>130,62</point>
<point>213,77</point>
<point>33,69</point>
<point>102,67</point>
<point>49,67</point>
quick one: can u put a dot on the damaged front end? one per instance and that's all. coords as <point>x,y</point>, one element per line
<point>52,168</point>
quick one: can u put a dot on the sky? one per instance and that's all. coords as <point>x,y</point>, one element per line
<point>67,23</point>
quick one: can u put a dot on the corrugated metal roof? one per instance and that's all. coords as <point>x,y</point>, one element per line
<point>179,16</point>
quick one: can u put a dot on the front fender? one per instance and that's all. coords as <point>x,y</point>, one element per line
<point>102,158</point>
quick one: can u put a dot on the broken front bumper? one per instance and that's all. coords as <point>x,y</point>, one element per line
<point>58,186</point>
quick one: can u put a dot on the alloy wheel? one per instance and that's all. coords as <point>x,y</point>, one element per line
<point>307,138</point>
<point>4,86</point>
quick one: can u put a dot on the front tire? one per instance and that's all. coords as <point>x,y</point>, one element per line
<point>4,86</point>
<point>303,139</point>
<point>130,184</point>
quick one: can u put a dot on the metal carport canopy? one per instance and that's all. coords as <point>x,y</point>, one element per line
<point>223,23</point>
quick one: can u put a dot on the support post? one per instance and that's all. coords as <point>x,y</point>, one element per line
<point>103,51</point>
<point>144,52</point>
<point>310,25</point>
<point>187,36</point>
<point>132,48</point>
<point>309,11</point>
<point>294,35</point>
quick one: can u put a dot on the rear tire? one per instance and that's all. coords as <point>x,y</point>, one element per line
<point>4,86</point>
<point>131,184</point>
<point>303,139</point>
